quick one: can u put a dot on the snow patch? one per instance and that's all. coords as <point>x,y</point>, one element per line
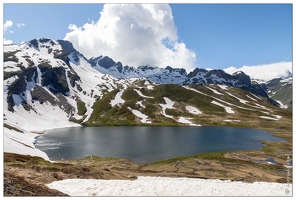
<point>256,96</point>
<point>169,104</point>
<point>277,116</point>
<point>251,98</point>
<point>240,100</point>
<point>188,88</point>
<point>282,105</point>
<point>231,120</point>
<point>265,117</point>
<point>141,104</point>
<point>227,109</point>
<point>223,87</point>
<point>184,120</point>
<point>288,80</point>
<point>215,91</point>
<point>140,115</point>
<point>262,106</point>
<point>150,87</point>
<point>193,110</point>
<point>117,99</point>
<point>141,94</point>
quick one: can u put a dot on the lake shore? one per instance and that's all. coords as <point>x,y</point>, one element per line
<point>243,166</point>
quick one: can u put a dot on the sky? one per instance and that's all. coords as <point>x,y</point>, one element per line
<point>210,36</point>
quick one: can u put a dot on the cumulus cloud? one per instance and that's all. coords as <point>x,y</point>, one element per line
<point>7,41</point>
<point>8,24</point>
<point>264,72</point>
<point>135,34</point>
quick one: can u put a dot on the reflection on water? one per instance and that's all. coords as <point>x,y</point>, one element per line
<point>148,144</point>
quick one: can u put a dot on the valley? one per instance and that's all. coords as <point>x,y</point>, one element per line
<point>50,85</point>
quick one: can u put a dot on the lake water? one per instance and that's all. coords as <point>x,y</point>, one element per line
<point>147,144</point>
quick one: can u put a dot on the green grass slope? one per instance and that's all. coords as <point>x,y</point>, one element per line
<point>248,110</point>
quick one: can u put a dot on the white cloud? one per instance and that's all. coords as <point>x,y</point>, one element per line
<point>8,24</point>
<point>264,72</point>
<point>135,34</point>
<point>7,41</point>
<point>20,25</point>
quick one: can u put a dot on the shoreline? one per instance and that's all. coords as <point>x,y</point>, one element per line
<point>263,142</point>
<point>227,166</point>
<point>148,125</point>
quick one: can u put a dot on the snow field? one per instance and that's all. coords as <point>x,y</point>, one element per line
<point>164,186</point>
<point>21,143</point>
<point>45,119</point>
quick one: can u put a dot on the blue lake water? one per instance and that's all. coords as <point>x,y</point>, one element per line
<point>147,144</point>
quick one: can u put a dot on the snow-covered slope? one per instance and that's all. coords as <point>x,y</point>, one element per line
<point>47,76</point>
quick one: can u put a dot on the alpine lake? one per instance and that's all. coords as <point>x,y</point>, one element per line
<point>145,144</point>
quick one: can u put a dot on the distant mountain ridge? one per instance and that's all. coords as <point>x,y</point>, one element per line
<point>169,75</point>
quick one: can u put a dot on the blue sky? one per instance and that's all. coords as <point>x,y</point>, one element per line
<point>215,36</point>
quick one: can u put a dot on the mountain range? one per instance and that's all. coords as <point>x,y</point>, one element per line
<point>45,78</point>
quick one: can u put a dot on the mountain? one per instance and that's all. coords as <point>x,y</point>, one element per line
<point>167,75</point>
<point>48,84</point>
<point>45,78</point>
<point>280,89</point>
<point>170,75</point>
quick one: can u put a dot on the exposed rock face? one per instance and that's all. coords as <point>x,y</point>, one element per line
<point>55,80</point>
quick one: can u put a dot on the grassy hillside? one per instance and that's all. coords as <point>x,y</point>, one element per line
<point>247,110</point>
